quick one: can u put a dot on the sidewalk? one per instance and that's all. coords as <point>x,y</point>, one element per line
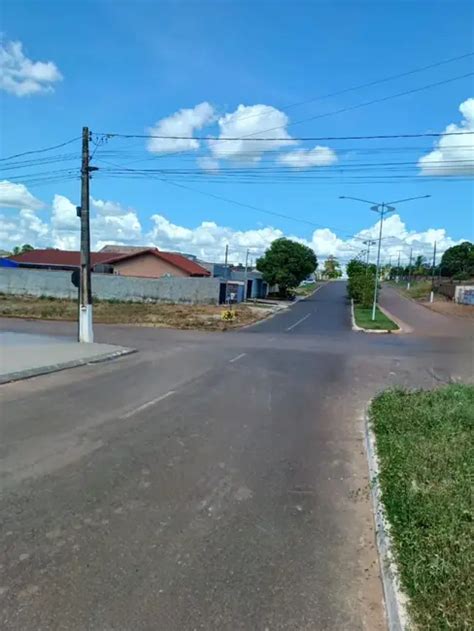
<point>23,355</point>
<point>423,321</point>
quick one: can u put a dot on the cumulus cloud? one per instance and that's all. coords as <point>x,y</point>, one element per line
<point>185,122</point>
<point>247,121</point>
<point>112,222</point>
<point>64,214</point>
<point>453,155</point>
<point>305,158</point>
<point>22,76</point>
<point>208,164</point>
<point>17,196</point>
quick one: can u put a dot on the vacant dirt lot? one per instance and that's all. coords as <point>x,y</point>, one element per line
<point>205,317</point>
<point>451,308</point>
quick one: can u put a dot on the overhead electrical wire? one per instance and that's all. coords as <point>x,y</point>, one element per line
<point>245,205</point>
<point>281,139</point>
<point>368,84</point>
<point>27,153</point>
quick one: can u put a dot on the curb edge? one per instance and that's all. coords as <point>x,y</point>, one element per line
<point>395,600</point>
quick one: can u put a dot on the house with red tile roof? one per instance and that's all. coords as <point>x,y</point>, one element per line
<point>139,262</point>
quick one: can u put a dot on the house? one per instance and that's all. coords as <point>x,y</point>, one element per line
<point>139,262</point>
<point>256,286</point>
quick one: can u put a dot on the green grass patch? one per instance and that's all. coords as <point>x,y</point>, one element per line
<point>419,290</point>
<point>425,444</point>
<point>363,318</point>
<point>305,290</point>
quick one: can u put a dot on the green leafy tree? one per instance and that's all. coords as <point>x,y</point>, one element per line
<point>286,263</point>
<point>458,260</point>
<point>20,249</point>
<point>332,268</point>
<point>361,280</point>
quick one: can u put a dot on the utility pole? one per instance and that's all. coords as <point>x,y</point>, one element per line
<point>382,209</point>
<point>226,265</point>
<point>368,243</point>
<point>409,269</point>
<point>398,266</point>
<point>246,274</point>
<point>433,273</point>
<point>86,333</point>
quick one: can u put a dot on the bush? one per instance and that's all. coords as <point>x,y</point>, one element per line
<point>361,289</point>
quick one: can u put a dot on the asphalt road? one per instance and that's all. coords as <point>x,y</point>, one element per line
<point>209,481</point>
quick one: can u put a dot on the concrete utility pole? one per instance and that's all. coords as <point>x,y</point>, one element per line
<point>86,333</point>
<point>382,209</point>
<point>226,265</point>
<point>409,269</point>
<point>246,274</point>
<point>433,273</point>
<point>398,266</point>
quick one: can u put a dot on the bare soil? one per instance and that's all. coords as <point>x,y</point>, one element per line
<point>179,316</point>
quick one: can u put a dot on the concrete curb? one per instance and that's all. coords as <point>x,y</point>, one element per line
<point>395,599</point>
<point>46,370</point>
<point>356,327</point>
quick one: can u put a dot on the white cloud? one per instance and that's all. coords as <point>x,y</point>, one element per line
<point>305,158</point>
<point>182,123</point>
<point>64,214</point>
<point>112,222</point>
<point>17,196</point>
<point>208,164</point>
<point>245,121</point>
<point>453,155</point>
<point>108,208</point>
<point>21,76</point>
<point>124,228</point>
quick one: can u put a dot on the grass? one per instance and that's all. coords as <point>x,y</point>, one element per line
<point>419,290</point>
<point>425,444</point>
<point>180,316</point>
<point>363,318</point>
<point>305,290</point>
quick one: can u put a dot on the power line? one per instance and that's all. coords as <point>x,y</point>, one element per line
<point>369,84</point>
<point>300,139</point>
<point>244,205</point>
<point>27,153</point>
<point>372,102</point>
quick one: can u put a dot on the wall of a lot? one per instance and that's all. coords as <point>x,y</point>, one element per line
<point>17,281</point>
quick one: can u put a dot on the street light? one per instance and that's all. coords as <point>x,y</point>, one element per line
<point>382,208</point>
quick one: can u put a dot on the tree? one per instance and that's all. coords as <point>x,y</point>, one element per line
<point>19,249</point>
<point>361,280</point>
<point>458,260</point>
<point>421,267</point>
<point>332,268</point>
<point>286,263</point>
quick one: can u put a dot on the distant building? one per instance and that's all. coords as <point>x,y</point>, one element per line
<point>135,261</point>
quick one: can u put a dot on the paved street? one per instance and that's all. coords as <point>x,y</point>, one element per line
<point>209,481</point>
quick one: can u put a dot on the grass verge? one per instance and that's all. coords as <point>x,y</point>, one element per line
<point>425,445</point>
<point>363,318</point>
<point>180,316</point>
<point>305,290</point>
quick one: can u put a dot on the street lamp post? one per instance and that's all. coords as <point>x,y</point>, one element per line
<point>383,209</point>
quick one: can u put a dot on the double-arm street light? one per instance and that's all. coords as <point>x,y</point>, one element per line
<point>383,209</point>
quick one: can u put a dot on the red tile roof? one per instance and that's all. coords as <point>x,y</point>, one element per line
<point>58,257</point>
<point>72,259</point>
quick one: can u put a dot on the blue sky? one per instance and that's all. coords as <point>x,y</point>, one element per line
<point>125,66</point>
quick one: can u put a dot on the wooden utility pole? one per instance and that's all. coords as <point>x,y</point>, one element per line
<point>86,333</point>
